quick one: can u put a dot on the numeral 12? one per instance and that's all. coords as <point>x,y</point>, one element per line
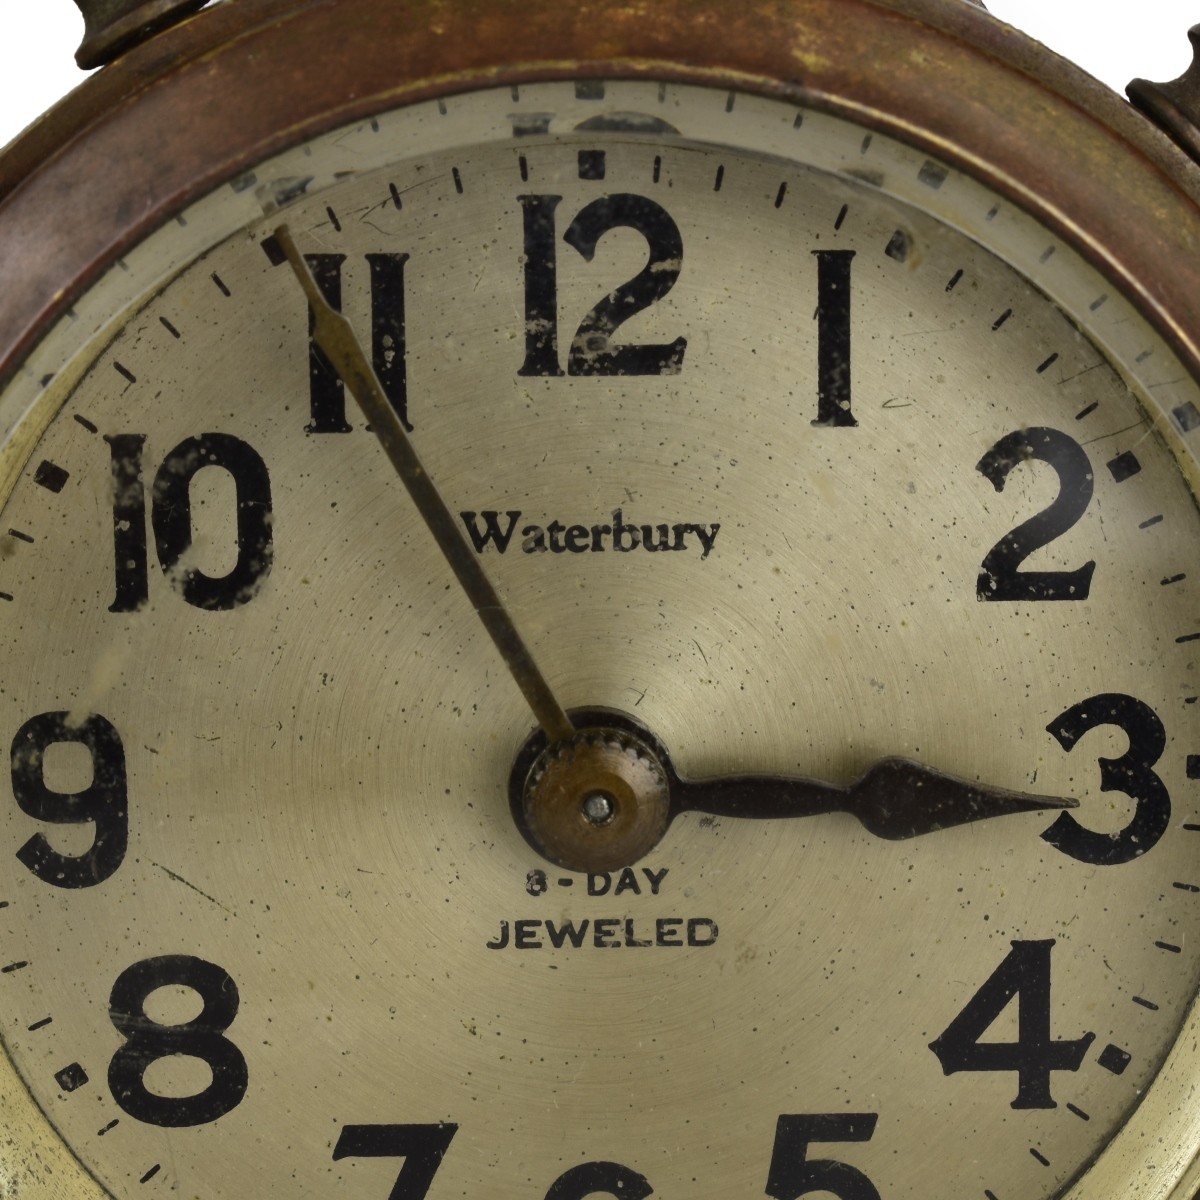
<point>593,351</point>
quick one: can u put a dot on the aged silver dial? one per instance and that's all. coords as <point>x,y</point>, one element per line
<point>791,448</point>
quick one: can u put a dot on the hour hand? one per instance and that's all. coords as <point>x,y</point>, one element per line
<point>895,799</point>
<point>604,797</point>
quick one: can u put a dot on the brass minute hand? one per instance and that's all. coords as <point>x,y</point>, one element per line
<point>895,799</point>
<point>334,334</point>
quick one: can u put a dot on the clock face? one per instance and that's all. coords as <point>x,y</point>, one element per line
<point>783,441</point>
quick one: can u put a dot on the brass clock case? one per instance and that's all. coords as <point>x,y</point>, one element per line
<point>209,100</point>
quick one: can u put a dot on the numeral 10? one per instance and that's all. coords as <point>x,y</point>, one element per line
<point>171,519</point>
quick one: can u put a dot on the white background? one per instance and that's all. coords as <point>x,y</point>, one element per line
<point>1115,42</point>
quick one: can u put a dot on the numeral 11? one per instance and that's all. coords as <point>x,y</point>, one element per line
<point>327,393</point>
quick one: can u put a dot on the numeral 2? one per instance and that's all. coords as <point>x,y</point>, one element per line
<point>593,351</point>
<point>171,518</point>
<point>999,577</point>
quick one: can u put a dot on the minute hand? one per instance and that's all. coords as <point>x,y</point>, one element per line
<point>332,332</point>
<point>895,799</point>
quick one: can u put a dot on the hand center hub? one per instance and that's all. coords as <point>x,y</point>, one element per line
<point>596,801</point>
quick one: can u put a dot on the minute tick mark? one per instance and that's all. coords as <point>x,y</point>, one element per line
<point>51,477</point>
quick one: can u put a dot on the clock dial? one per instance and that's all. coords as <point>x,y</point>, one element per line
<point>791,451</point>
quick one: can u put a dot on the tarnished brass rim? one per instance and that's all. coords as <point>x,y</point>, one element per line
<point>110,163</point>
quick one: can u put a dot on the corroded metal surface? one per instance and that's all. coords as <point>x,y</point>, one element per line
<point>113,26</point>
<point>1175,107</point>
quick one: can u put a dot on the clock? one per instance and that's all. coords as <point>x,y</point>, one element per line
<point>803,404</point>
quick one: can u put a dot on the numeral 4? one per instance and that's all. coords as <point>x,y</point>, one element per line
<point>1025,975</point>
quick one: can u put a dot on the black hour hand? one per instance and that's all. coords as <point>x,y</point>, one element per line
<point>895,799</point>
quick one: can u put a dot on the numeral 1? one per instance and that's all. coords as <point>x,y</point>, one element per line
<point>833,337</point>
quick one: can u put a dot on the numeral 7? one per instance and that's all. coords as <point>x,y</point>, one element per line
<point>421,1146</point>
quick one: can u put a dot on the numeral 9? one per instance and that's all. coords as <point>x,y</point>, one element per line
<point>103,803</point>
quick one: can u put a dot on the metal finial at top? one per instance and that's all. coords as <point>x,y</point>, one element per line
<point>112,26</point>
<point>1175,107</point>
